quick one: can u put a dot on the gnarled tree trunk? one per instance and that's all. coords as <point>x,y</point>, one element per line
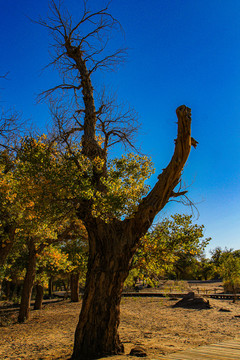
<point>109,262</point>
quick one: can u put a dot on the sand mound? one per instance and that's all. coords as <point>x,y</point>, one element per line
<point>193,301</point>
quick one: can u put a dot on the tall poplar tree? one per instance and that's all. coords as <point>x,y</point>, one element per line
<point>81,50</point>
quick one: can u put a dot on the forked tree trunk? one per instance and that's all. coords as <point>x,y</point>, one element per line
<point>74,279</point>
<point>111,248</point>
<point>39,297</point>
<point>24,311</point>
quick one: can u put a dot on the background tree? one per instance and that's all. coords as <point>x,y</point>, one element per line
<point>169,249</point>
<point>12,273</point>
<point>215,260</point>
<point>77,252</point>
<point>203,269</point>
<point>41,221</point>
<point>11,205</point>
<point>113,234</point>
<point>51,262</point>
<point>11,130</point>
<point>11,127</point>
<point>229,269</point>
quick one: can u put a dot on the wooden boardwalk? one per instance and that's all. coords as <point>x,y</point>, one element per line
<point>63,294</point>
<point>180,295</point>
<point>227,350</point>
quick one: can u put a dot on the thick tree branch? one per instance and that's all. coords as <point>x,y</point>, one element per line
<point>179,193</point>
<point>169,178</point>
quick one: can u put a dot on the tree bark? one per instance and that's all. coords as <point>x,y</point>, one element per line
<point>39,297</point>
<point>90,145</point>
<point>74,279</point>
<point>24,312</point>
<point>109,263</point>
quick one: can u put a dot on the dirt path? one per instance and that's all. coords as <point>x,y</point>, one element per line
<point>150,322</point>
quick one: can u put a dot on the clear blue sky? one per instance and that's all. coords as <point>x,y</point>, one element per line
<point>180,52</point>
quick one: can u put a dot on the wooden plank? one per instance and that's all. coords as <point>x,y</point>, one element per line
<point>233,344</point>
<point>229,350</point>
<point>228,346</point>
<point>221,353</point>
<point>194,355</point>
<point>190,356</point>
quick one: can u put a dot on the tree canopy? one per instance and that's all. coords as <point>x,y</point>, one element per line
<point>169,249</point>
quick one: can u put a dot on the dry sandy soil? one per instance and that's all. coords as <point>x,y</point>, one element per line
<point>149,322</point>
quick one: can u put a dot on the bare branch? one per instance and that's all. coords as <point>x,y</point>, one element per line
<point>116,123</point>
<point>65,124</point>
<point>183,198</point>
<point>45,94</point>
<point>89,42</point>
<point>79,50</point>
<point>4,76</point>
<point>186,201</point>
<point>11,128</point>
<point>109,61</point>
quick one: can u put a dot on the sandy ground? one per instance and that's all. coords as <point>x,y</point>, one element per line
<point>149,322</point>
